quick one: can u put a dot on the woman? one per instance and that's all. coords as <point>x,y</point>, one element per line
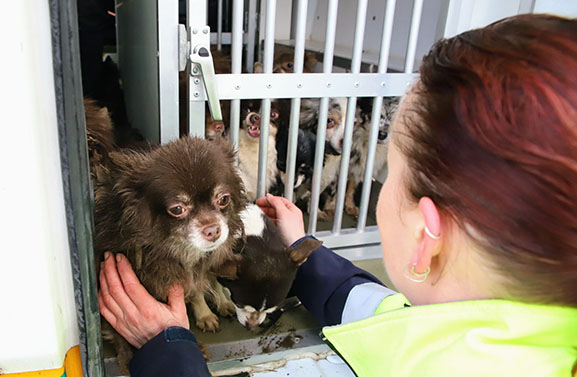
<point>478,220</point>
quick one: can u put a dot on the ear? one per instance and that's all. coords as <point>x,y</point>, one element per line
<point>258,67</point>
<point>427,246</point>
<point>310,60</point>
<point>301,252</point>
<point>229,269</point>
<point>128,161</point>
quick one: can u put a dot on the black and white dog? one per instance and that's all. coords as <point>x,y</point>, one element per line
<point>261,279</point>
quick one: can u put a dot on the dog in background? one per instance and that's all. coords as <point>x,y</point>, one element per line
<point>360,146</point>
<point>309,119</point>
<point>284,62</point>
<point>260,280</point>
<point>172,226</point>
<point>249,145</point>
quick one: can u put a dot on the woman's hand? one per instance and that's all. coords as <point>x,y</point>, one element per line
<point>285,215</point>
<point>130,309</point>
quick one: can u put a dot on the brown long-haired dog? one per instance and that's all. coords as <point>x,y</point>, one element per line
<point>174,212</point>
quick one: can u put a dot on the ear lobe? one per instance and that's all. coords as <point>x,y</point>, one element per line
<point>301,252</point>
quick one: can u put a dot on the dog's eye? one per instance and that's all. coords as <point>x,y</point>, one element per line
<point>223,201</point>
<point>177,211</point>
<point>274,115</point>
<point>330,123</point>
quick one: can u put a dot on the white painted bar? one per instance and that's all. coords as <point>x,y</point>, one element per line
<point>375,116</point>
<point>236,67</point>
<point>332,11</point>
<point>296,102</point>
<point>350,117</point>
<point>413,36</point>
<point>265,107</point>
<point>251,35</point>
<point>313,85</point>
<point>219,26</point>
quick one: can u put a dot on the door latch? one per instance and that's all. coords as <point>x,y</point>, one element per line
<point>197,50</point>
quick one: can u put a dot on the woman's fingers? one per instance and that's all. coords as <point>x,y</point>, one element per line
<point>113,285</point>
<point>134,290</point>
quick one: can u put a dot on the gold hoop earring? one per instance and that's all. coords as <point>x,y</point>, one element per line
<point>415,276</point>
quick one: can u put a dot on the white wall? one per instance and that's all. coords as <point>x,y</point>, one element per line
<point>37,315</point>
<point>567,8</point>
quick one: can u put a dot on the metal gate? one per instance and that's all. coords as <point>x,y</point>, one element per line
<point>391,35</point>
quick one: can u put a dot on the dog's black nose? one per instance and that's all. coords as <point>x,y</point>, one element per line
<point>211,232</point>
<point>254,119</point>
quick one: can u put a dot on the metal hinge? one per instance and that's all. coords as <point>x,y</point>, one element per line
<point>194,49</point>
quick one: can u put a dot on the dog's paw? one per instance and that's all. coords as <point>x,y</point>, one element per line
<point>226,309</point>
<point>208,322</point>
<point>352,210</point>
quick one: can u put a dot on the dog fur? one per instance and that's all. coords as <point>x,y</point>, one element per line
<point>173,226</point>
<point>249,145</point>
<point>360,146</point>
<point>260,280</point>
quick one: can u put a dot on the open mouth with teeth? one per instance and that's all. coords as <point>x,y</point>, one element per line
<point>254,131</point>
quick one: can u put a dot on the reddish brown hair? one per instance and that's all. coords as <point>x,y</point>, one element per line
<point>493,141</point>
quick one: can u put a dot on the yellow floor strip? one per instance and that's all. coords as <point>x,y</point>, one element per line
<point>72,367</point>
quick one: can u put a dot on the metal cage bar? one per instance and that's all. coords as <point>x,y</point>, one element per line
<point>236,66</point>
<point>296,102</point>
<point>265,107</point>
<point>376,114</point>
<point>413,36</point>
<point>350,116</point>
<point>251,35</point>
<point>219,26</point>
<point>332,12</point>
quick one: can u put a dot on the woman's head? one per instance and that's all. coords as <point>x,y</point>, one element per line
<point>490,135</point>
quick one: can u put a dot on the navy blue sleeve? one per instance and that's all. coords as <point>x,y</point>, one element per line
<point>324,281</point>
<point>173,352</point>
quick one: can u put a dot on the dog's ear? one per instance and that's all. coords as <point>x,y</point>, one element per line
<point>301,252</point>
<point>258,67</point>
<point>229,269</point>
<point>129,161</point>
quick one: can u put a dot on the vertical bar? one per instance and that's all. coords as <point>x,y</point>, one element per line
<point>265,108</point>
<point>236,52</point>
<point>413,36</point>
<point>301,15</point>
<point>376,115</point>
<point>251,36</point>
<point>168,69</point>
<point>195,19</point>
<point>323,113</point>
<point>219,26</point>
<point>350,117</point>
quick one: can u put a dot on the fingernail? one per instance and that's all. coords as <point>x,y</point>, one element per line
<point>118,257</point>
<point>106,255</point>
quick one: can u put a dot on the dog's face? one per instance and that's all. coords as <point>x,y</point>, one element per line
<point>186,195</point>
<point>284,63</point>
<point>364,112</point>
<point>251,120</point>
<point>335,128</point>
<point>260,281</point>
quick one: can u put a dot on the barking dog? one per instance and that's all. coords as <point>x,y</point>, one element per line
<point>260,281</point>
<point>175,212</point>
<point>360,146</point>
<point>249,144</point>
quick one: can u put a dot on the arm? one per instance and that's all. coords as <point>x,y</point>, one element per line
<point>159,331</point>
<point>330,286</point>
<point>324,283</point>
